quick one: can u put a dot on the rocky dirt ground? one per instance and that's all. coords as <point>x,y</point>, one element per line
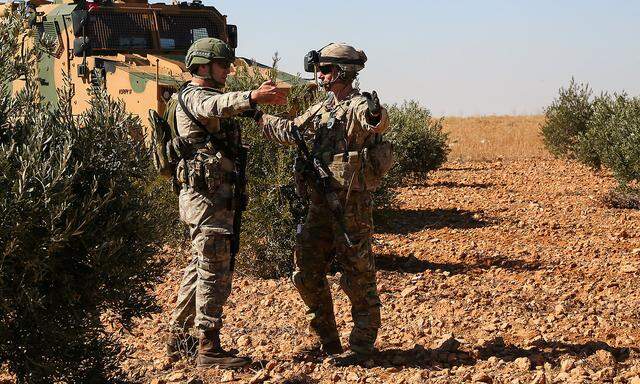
<point>501,272</point>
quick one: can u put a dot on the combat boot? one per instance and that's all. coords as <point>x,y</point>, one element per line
<point>180,344</point>
<point>314,348</point>
<point>210,353</point>
<point>350,358</point>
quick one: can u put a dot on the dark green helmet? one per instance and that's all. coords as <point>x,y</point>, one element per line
<point>204,51</point>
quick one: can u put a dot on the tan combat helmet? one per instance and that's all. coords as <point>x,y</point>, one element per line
<point>344,56</point>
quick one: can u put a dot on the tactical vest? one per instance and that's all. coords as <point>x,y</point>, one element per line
<point>202,166</point>
<point>352,169</point>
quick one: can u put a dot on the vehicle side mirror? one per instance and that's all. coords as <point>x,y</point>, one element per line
<point>80,18</point>
<point>81,46</point>
<point>232,35</point>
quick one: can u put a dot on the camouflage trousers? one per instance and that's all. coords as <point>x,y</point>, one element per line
<point>206,283</point>
<point>318,243</point>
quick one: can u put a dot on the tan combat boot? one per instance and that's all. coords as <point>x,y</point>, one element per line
<point>351,357</point>
<point>210,353</point>
<point>313,348</point>
<point>180,343</point>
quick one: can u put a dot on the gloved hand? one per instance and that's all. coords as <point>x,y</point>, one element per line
<point>374,107</point>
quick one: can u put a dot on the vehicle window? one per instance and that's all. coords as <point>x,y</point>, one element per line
<point>185,29</point>
<point>111,30</point>
<point>117,30</point>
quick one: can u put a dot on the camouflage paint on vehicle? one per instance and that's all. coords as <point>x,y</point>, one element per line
<point>47,80</point>
<point>139,80</point>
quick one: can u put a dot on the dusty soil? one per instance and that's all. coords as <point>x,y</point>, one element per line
<point>503,272</point>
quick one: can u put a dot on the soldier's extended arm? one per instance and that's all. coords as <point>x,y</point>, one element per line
<point>279,130</point>
<point>367,118</point>
<point>234,103</point>
<point>220,105</point>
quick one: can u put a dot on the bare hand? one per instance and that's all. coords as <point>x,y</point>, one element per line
<point>268,93</point>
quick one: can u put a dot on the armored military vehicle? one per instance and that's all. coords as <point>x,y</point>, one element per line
<point>134,48</point>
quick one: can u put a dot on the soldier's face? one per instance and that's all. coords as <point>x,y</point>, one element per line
<point>220,71</point>
<point>327,74</point>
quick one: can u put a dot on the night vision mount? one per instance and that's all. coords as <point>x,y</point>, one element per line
<point>313,58</point>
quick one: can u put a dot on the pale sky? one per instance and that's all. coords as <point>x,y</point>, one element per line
<point>456,57</point>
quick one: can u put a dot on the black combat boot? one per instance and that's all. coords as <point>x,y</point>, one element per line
<point>210,353</point>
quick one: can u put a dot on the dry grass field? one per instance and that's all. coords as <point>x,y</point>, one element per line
<point>495,137</point>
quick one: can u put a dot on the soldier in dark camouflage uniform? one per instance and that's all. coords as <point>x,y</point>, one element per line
<point>338,128</point>
<point>205,201</point>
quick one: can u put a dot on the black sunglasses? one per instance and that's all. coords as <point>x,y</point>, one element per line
<point>224,64</point>
<point>325,69</point>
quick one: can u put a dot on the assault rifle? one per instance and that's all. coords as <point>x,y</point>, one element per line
<point>239,156</point>
<point>239,198</point>
<point>320,180</point>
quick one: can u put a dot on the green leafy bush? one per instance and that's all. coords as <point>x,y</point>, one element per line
<point>164,213</point>
<point>566,118</point>
<point>268,236</point>
<point>614,135</point>
<point>587,149</point>
<point>602,131</point>
<point>75,228</point>
<point>420,146</point>
<point>419,141</point>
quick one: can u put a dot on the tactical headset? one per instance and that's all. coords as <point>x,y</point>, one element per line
<point>313,59</point>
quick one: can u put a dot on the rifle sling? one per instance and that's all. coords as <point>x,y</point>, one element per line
<point>219,144</point>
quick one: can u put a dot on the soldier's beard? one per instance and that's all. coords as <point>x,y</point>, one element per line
<point>210,81</point>
<point>324,84</point>
<point>216,82</point>
<point>329,86</point>
<point>336,86</point>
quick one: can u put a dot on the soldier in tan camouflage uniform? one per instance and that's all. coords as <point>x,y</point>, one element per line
<point>339,129</point>
<point>205,200</point>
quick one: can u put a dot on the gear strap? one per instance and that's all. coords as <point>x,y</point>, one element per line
<point>219,144</point>
<point>337,60</point>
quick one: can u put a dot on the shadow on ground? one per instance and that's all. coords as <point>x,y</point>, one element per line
<point>477,167</point>
<point>453,184</point>
<point>448,355</point>
<point>405,221</point>
<point>542,351</point>
<point>411,264</point>
<point>300,379</point>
